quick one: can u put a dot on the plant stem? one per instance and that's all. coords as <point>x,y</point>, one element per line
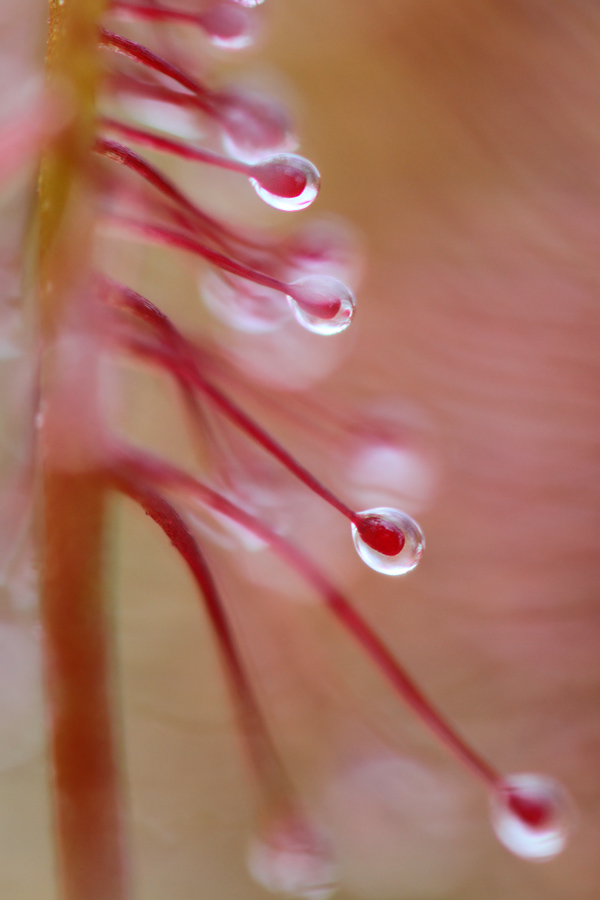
<point>87,803</point>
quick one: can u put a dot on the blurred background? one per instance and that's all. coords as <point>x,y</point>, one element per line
<point>463,139</point>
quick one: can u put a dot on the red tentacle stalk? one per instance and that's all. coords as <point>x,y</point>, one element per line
<point>203,222</point>
<point>271,777</point>
<point>205,97</point>
<point>180,358</point>
<point>321,307</point>
<point>158,472</point>
<point>177,148</point>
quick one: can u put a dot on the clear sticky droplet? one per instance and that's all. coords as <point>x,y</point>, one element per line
<point>228,25</point>
<point>243,305</point>
<point>287,182</point>
<point>294,859</point>
<point>532,815</point>
<point>326,245</point>
<point>255,127</point>
<point>388,540</point>
<point>322,304</point>
<point>249,3</point>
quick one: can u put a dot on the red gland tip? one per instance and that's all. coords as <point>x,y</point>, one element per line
<point>533,811</point>
<point>280,179</point>
<point>380,535</point>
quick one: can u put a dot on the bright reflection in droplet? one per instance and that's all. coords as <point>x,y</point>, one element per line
<point>388,540</point>
<point>322,304</point>
<point>287,182</point>
<point>294,859</point>
<point>532,816</point>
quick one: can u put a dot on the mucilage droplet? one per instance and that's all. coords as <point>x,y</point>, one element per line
<point>287,182</point>
<point>292,858</point>
<point>388,540</point>
<point>228,25</point>
<point>322,304</point>
<point>254,126</point>
<point>532,815</point>
<point>242,304</point>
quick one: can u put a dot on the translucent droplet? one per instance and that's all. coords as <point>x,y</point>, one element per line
<point>532,816</point>
<point>287,182</point>
<point>322,304</point>
<point>324,246</point>
<point>249,3</point>
<point>243,305</point>
<point>228,25</point>
<point>388,540</point>
<point>255,126</point>
<point>293,858</point>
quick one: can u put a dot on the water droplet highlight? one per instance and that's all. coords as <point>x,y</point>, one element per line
<point>532,815</point>
<point>287,182</point>
<point>294,859</point>
<point>388,540</point>
<point>322,304</point>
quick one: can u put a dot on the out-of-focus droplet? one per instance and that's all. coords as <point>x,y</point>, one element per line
<point>243,305</point>
<point>322,304</point>
<point>228,25</point>
<point>532,816</point>
<point>324,246</point>
<point>293,858</point>
<point>380,471</point>
<point>287,182</point>
<point>249,3</point>
<point>254,126</point>
<point>164,116</point>
<point>388,540</point>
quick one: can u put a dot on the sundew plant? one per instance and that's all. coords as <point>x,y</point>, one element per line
<point>138,131</point>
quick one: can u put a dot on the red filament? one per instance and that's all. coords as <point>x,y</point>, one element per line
<point>380,535</point>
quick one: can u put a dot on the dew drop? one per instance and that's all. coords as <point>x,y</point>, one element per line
<point>254,126</point>
<point>388,540</point>
<point>293,858</point>
<point>322,304</point>
<point>287,182</point>
<point>228,25</point>
<point>532,816</point>
<point>243,305</point>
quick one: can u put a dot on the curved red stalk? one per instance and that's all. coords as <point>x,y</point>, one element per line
<point>168,237</point>
<point>125,156</point>
<point>178,148</point>
<point>271,777</point>
<point>139,12</point>
<point>179,357</point>
<point>136,465</point>
<point>204,97</point>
